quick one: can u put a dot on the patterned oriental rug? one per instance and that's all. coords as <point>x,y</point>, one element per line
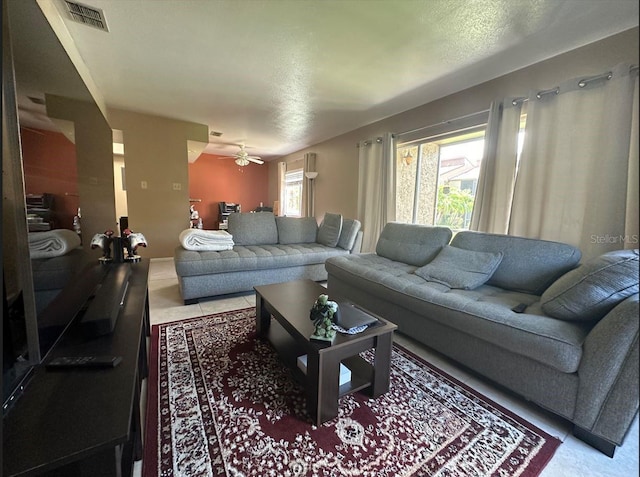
<point>221,403</point>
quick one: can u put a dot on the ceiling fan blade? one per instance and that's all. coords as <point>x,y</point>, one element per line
<point>241,157</point>
<point>225,144</point>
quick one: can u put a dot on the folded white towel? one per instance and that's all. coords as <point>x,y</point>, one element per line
<point>52,243</point>
<point>206,240</point>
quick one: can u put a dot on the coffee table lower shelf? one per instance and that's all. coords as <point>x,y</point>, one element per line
<point>361,371</point>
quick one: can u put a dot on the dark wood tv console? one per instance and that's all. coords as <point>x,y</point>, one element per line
<point>84,421</point>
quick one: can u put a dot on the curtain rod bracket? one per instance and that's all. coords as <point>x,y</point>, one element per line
<point>545,92</point>
<point>584,82</point>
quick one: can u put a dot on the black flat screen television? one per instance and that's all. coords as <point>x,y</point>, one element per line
<point>16,363</point>
<point>93,300</point>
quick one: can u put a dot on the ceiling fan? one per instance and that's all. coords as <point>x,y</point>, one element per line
<point>242,158</point>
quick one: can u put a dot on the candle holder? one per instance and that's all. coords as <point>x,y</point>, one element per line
<point>129,241</point>
<point>104,242</point>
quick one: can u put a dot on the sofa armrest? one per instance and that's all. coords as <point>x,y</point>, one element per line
<point>607,398</point>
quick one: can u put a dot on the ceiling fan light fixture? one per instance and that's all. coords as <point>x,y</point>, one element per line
<point>242,159</point>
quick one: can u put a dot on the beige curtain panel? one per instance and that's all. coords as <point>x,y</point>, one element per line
<point>492,206</point>
<point>376,187</point>
<point>578,175</point>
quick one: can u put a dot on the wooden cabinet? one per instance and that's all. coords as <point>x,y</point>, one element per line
<point>40,212</point>
<point>225,209</point>
<point>85,421</point>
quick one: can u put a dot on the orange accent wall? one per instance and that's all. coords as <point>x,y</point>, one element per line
<point>215,180</point>
<point>49,161</point>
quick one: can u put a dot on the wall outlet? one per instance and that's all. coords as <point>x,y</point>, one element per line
<point>177,186</point>
<point>143,184</point>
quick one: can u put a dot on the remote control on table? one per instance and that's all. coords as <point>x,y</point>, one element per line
<point>84,361</point>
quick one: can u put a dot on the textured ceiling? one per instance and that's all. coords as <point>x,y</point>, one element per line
<point>281,75</point>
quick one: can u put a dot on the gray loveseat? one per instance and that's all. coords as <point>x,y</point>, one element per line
<point>267,249</point>
<point>573,346</point>
<point>51,275</point>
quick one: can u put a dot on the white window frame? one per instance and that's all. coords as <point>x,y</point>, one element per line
<point>450,133</point>
<point>292,185</point>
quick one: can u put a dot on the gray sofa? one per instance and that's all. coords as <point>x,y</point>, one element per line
<point>51,275</point>
<point>573,348</point>
<point>267,249</point>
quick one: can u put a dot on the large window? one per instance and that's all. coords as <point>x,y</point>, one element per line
<point>293,193</point>
<point>437,179</point>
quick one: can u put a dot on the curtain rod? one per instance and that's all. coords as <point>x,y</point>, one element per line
<point>448,121</point>
<point>581,84</point>
<point>368,142</point>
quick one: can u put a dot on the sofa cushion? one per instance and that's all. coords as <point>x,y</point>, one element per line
<point>251,258</point>
<point>296,230</point>
<point>329,230</point>
<point>484,313</point>
<point>414,244</point>
<point>594,288</point>
<point>54,273</point>
<point>460,268</point>
<point>253,228</point>
<point>528,265</point>
<point>350,229</point>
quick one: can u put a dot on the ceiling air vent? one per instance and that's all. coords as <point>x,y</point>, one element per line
<point>88,15</point>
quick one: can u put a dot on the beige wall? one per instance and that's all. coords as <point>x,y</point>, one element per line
<point>337,158</point>
<point>156,153</point>
<point>337,181</point>
<point>94,156</point>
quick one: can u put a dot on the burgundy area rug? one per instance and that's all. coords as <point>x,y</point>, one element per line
<point>221,403</point>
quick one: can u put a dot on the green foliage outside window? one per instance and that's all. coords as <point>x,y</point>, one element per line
<point>453,207</point>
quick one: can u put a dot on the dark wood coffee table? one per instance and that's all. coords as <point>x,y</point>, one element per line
<point>289,304</point>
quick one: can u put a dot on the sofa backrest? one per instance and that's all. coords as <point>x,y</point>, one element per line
<point>306,229</point>
<point>412,243</point>
<point>528,265</point>
<point>296,229</point>
<point>264,228</point>
<point>253,228</point>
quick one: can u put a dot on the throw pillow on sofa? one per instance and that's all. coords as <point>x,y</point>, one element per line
<point>460,268</point>
<point>350,229</point>
<point>593,289</point>
<point>329,230</point>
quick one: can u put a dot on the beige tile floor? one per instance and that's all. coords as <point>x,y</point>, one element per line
<point>573,457</point>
